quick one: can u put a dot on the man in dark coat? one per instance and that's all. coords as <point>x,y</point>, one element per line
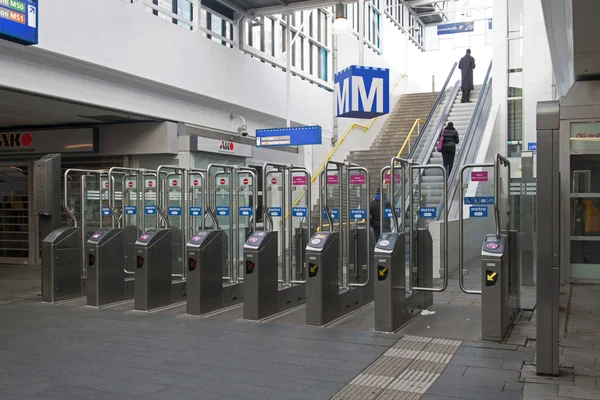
<point>375,214</point>
<point>466,66</point>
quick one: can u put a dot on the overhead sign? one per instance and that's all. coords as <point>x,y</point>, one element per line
<point>479,200</point>
<point>49,141</point>
<point>300,136</point>
<point>362,92</point>
<point>19,21</point>
<point>459,27</point>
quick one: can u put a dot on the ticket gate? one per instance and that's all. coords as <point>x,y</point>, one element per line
<point>62,265</point>
<point>500,284</point>
<point>206,289</point>
<point>106,282</point>
<point>390,278</point>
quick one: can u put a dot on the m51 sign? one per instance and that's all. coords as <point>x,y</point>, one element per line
<point>362,92</point>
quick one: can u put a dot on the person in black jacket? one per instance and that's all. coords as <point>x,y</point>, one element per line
<point>449,146</point>
<point>375,214</point>
<point>466,66</point>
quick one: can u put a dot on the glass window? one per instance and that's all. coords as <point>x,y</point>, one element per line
<point>515,18</point>
<point>269,47</point>
<point>585,136</point>
<point>323,64</point>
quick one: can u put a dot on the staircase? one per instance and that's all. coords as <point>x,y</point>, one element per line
<point>388,142</point>
<point>432,180</point>
<point>393,134</point>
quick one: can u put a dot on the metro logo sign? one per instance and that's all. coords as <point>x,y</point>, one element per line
<point>16,142</point>
<point>362,92</point>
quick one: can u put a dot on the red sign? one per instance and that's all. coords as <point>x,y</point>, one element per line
<point>479,176</point>
<point>222,181</point>
<point>196,183</point>
<point>106,184</point>
<point>245,181</point>
<point>274,181</point>
<point>130,184</point>
<point>150,183</point>
<point>174,182</point>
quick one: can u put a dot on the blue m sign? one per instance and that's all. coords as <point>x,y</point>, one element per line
<point>362,92</point>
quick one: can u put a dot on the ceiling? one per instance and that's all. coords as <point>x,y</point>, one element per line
<point>429,11</point>
<point>23,110</point>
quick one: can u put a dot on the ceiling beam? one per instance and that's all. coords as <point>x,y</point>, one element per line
<point>416,3</point>
<point>296,6</point>
<point>429,14</point>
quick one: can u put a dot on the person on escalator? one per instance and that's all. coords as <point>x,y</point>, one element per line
<point>375,214</point>
<point>449,137</point>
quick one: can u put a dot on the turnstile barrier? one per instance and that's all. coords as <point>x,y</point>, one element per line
<point>105,263</point>
<point>62,265</point>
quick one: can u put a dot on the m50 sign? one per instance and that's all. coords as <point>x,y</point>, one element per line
<point>362,92</point>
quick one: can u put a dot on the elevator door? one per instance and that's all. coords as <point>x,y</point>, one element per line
<point>14,214</point>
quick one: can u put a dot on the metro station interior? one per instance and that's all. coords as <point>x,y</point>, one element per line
<point>264,199</point>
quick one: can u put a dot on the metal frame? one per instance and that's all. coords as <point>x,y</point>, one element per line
<point>202,174</point>
<point>308,218</point>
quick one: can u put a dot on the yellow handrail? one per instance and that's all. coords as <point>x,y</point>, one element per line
<point>415,124</point>
<point>365,128</point>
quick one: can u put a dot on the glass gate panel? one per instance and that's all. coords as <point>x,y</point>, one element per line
<point>173,195</point>
<point>359,241</point>
<point>197,207</point>
<point>275,197</point>
<point>300,223</point>
<point>223,202</point>
<point>149,202</point>
<point>245,206</point>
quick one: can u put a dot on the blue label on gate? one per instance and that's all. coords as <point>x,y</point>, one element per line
<point>333,213</point>
<point>388,213</point>
<point>478,200</point>
<point>149,210</point>
<point>106,212</point>
<point>427,212</point>
<point>274,211</point>
<point>176,211</point>
<point>130,210</point>
<point>299,212</point>
<point>358,213</point>
<point>478,212</point>
<point>222,211</point>
<point>532,146</point>
<point>195,211</point>
<point>245,211</point>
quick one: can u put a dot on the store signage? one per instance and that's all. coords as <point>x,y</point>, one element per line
<point>208,145</point>
<point>19,21</point>
<point>49,141</point>
<point>362,92</point>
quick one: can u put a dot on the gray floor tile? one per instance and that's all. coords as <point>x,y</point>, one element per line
<point>476,361</point>
<point>513,365</point>
<point>491,373</point>
<point>579,392</point>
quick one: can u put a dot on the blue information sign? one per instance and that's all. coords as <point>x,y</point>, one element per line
<point>288,136</point>
<point>245,211</point>
<point>532,146</point>
<point>333,213</point>
<point>195,211</point>
<point>299,212</point>
<point>274,211</point>
<point>387,213</point>
<point>176,211</point>
<point>149,210</point>
<point>479,211</point>
<point>222,211</point>
<point>469,201</point>
<point>130,210</point>
<point>358,213</point>
<point>459,27</point>
<point>19,21</point>
<point>105,210</point>
<point>427,212</point>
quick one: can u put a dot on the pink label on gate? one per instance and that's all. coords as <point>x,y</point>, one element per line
<point>299,180</point>
<point>358,179</point>
<point>332,179</point>
<point>396,178</point>
<point>479,176</point>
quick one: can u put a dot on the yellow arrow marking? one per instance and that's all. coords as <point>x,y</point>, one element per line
<point>382,271</point>
<point>313,269</point>
<point>491,276</point>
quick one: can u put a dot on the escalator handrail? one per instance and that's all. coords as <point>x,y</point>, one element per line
<point>438,100</point>
<point>468,137</point>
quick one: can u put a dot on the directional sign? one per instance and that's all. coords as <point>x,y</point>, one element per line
<point>358,213</point>
<point>130,210</point>
<point>460,27</point>
<point>245,211</point>
<point>289,136</point>
<point>532,146</point>
<point>150,210</point>
<point>19,21</point>
<point>175,211</point>
<point>388,213</point>
<point>195,211</point>
<point>299,212</point>
<point>427,212</point>
<point>333,213</point>
<point>479,200</point>
<point>478,211</point>
<point>274,211</point>
<point>222,211</point>
<point>491,277</point>
<point>106,212</point>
